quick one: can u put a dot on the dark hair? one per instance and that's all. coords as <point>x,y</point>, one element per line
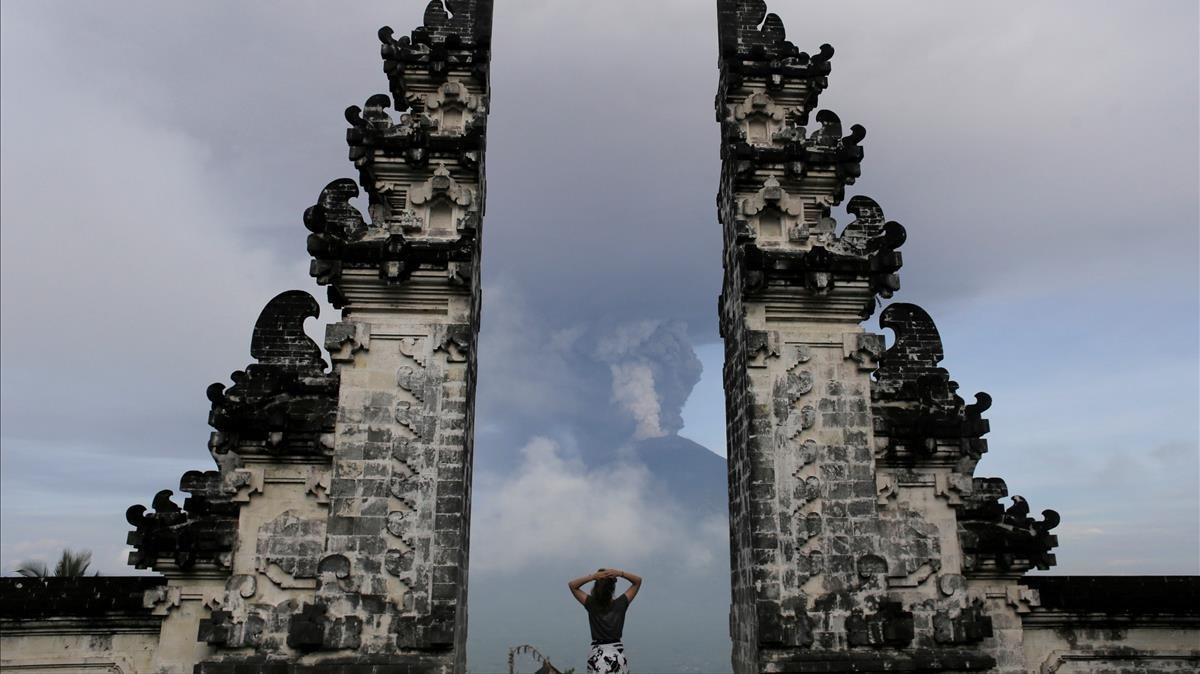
<point>602,592</point>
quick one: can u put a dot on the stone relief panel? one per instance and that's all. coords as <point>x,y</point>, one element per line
<point>773,216</point>
<point>453,107</point>
<point>760,118</point>
<point>444,205</point>
<point>289,548</point>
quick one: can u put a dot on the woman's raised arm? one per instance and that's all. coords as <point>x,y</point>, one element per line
<point>579,582</point>
<point>633,578</point>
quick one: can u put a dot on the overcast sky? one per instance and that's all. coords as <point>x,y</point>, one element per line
<point>157,158</point>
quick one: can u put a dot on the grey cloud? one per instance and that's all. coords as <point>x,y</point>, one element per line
<point>583,514</point>
<point>988,146</point>
<point>125,288</point>
<point>648,369</point>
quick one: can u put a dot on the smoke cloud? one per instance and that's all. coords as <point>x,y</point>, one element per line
<point>654,369</point>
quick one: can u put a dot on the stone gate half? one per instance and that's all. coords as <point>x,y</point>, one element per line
<point>861,539</point>
<point>333,536</point>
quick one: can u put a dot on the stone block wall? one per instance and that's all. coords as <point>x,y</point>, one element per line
<point>1132,624</point>
<point>861,539</point>
<point>78,624</point>
<point>334,534</point>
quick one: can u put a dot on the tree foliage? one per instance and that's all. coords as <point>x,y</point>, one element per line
<point>70,565</point>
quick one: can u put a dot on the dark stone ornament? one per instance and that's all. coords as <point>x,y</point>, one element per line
<point>286,403</point>
<point>916,404</point>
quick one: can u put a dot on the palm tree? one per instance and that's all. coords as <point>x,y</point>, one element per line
<point>33,569</point>
<point>70,565</point>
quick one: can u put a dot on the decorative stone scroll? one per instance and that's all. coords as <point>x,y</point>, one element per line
<point>341,241</point>
<point>917,406</point>
<point>203,532</point>
<point>815,258</point>
<point>999,540</point>
<point>285,403</point>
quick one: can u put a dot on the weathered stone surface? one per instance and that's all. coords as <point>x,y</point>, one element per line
<point>1003,539</point>
<point>203,531</point>
<point>336,526</point>
<point>82,624</point>
<point>285,404</point>
<point>861,539</point>
<point>1112,624</point>
<point>1118,597</point>
<point>93,597</point>
<point>810,549</point>
<point>917,406</point>
<point>379,568</point>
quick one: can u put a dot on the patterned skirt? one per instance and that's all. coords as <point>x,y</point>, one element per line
<point>608,659</point>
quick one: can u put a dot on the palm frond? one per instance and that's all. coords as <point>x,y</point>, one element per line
<point>73,564</point>
<point>33,569</point>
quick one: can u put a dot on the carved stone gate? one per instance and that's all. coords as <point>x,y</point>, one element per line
<point>861,540</point>
<point>335,532</point>
<point>333,537</point>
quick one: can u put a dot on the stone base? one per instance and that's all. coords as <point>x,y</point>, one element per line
<point>877,661</point>
<point>398,664</point>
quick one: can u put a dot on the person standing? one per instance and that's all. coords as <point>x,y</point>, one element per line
<point>606,617</point>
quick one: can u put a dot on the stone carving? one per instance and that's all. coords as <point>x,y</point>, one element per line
<point>311,629</point>
<point>870,233</point>
<point>162,599</point>
<point>393,571</point>
<point>455,107</point>
<point>866,250</point>
<point>838,560</point>
<point>244,483</point>
<point>760,346</point>
<point>371,127</point>
<point>824,154</point>
<point>1022,599</point>
<point>448,205</point>
<point>759,118</point>
<point>996,538</point>
<point>969,625</point>
<point>774,215</point>
<point>333,219</point>
<point>456,345</point>
<point>204,531</point>
<point>917,405</point>
<point>451,121</point>
<point>380,566</point>
<point>454,37</point>
<point>889,627</point>
<point>343,340</point>
<point>863,348</point>
<point>285,403</point>
<point>342,242</point>
<point>293,545</point>
<point>747,30</point>
<point>221,629</point>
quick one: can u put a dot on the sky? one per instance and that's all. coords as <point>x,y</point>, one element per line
<point>157,158</point>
